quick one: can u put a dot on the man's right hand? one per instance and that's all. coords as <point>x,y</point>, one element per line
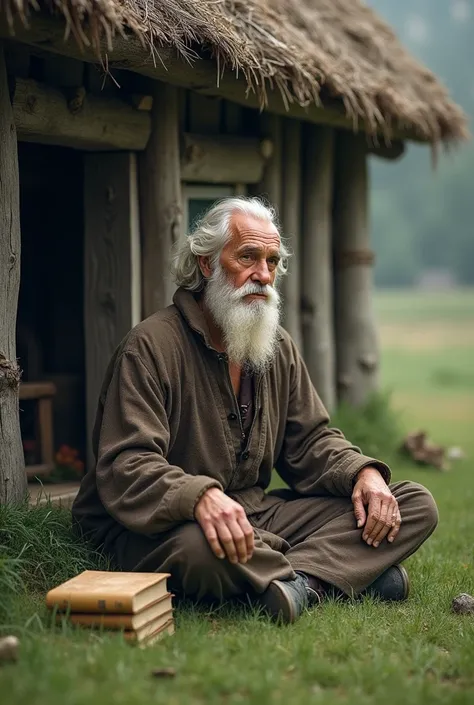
<point>225,525</point>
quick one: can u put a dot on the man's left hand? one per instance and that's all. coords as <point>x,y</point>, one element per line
<point>382,518</point>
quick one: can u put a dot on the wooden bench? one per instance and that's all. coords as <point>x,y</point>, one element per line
<point>43,393</point>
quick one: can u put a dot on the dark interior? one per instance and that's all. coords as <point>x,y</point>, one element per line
<point>50,324</point>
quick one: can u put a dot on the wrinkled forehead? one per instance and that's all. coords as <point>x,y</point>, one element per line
<point>249,231</point>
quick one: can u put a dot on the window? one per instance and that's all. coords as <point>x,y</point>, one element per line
<point>198,199</point>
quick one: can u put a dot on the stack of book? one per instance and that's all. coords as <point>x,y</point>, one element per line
<point>138,604</point>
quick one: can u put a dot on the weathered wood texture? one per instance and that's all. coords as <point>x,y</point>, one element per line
<point>75,119</point>
<point>356,339</point>
<point>112,264</point>
<point>12,465</point>
<point>269,187</point>
<point>160,198</point>
<point>129,53</point>
<point>42,393</point>
<point>291,222</point>
<point>316,260</point>
<point>222,159</point>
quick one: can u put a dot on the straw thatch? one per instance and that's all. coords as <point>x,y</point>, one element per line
<point>310,50</point>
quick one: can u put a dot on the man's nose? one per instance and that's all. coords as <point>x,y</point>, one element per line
<point>261,274</point>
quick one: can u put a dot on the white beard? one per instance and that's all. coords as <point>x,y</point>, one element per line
<point>250,329</point>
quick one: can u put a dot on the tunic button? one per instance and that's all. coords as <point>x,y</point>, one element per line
<point>245,455</point>
<point>232,417</point>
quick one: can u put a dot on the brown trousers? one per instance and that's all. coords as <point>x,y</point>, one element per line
<point>316,535</point>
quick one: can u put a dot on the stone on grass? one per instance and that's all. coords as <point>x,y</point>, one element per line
<point>463,604</point>
<point>9,649</point>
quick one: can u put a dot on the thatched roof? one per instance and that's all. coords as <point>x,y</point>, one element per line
<point>310,50</point>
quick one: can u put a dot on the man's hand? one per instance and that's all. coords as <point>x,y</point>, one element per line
<point>383,515</point>
<point>225,526</point>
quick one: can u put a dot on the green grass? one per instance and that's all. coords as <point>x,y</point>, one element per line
<point>416,652</point>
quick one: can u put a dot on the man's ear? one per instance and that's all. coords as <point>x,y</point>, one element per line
<point>205,266</point>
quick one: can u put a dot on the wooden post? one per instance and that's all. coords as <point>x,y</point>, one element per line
<point>269,188</point>
<point>160,198</point>
<point>12,463</point>
<point>291,221</point>
<point>112,264</point>
<point>356,340</point>
<point>316,260</point>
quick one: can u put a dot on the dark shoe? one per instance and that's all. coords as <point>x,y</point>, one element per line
<point>285,600</point>
<point>393,585</point>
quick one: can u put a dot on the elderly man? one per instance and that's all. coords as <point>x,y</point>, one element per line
<point>200,403</point>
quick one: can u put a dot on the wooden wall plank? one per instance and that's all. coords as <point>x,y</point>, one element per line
<point>110,290</point>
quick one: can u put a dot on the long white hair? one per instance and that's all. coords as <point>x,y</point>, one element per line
<point>210,236</point>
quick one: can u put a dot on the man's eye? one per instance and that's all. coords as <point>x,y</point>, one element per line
<point>273,261</point>
<point>246,258</point>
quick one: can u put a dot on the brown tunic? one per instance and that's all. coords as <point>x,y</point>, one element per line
<point>159,447</point>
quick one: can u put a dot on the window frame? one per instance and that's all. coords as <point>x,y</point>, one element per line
<point>206,191</point>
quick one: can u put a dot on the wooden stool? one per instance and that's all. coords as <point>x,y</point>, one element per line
<point>43,393</point>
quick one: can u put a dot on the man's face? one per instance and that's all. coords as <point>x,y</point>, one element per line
<point>252,254</point>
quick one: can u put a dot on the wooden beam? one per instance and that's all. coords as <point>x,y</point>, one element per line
<point>316,260</point>
<point>47,33</point>
<point>291,222</point>
<point>112,272</point>
<point>12,463</point>
<point>74,119</point>
<point>223,159</point>
<point>356,339</point>
<point>160,198</point>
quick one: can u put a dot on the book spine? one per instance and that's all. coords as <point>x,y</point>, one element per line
<point>89,603</point>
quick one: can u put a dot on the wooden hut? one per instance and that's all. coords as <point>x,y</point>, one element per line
<point>120,121</point>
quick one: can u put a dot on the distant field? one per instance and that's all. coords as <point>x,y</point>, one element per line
<point>427,360</point>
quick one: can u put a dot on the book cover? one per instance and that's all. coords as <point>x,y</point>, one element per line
<point>119,621</point>
<point>152,635</point>
<point>107,591</point>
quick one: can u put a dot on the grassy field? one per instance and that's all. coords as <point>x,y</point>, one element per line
<point>411,653</point>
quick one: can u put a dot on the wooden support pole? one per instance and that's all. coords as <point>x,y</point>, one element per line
<point>269,186</point>
<point>316,260</point>
<point>76,119</point>
<point>112,264</point>
<point>160,198</point>
<point>291,222</point>
<point>356,339</point>
<point>12,463</point>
